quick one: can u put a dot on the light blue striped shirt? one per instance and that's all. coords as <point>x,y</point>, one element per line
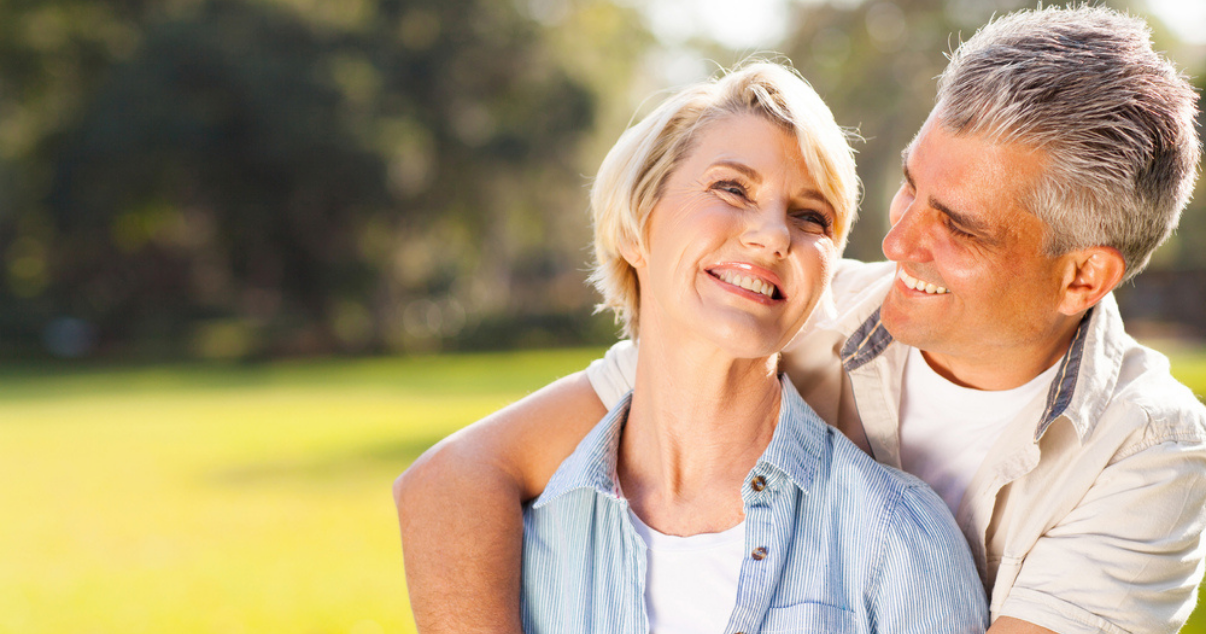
<point>836,542</point>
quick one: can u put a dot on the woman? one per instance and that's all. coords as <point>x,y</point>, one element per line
<point>713,498</point>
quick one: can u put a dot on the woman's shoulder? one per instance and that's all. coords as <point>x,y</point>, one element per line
<point>887,491</point>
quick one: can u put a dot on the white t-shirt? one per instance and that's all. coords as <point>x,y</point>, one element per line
<point>691,582</point>
<point>946,430</point>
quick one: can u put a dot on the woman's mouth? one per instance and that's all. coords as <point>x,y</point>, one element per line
<point>748,281</point>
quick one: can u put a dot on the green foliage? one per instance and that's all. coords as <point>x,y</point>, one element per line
<point>243,177</point>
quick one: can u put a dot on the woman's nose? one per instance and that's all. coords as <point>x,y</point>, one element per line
<point>767,229</point>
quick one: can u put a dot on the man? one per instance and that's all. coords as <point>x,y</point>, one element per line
<point>988,358</point>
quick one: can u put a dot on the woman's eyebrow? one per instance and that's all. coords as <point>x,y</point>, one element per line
<point>746,170</point>
<point>813,195</point>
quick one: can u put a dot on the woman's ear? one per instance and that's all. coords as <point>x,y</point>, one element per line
<point>1092,273</point>
<point>632,253</point>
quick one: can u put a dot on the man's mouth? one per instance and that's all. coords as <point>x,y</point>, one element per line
<point>919,285</point>
<point>749,282</point>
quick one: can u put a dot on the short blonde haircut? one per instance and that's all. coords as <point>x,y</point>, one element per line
<point>633,175</point>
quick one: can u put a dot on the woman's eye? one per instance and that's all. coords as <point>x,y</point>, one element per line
<point>814,220</point>
<point>729,187</point>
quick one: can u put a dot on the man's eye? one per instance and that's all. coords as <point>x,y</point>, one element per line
<point>950,226</point>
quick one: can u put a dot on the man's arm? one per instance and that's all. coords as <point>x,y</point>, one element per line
<point>1007,625</point>
<point>1128,557</point>
<point>460,507</point>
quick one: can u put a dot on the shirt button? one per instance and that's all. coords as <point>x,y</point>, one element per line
<point>759,553</point>
<point>758,483</point>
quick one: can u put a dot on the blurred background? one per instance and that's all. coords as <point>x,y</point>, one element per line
<point>257,179</point>
<point>257,255</point>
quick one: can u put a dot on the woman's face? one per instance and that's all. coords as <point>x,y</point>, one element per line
<point>741,244</point>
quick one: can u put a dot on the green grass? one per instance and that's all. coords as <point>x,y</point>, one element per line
<point>191,499</point>
<point>1189,366</point>
<point>236,499</point>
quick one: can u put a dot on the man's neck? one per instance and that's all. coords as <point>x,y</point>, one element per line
<point>1002,369</point>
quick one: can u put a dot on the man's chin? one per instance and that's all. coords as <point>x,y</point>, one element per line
<point>905,326</point>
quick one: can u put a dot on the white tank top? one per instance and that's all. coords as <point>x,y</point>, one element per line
<point>691,582</point>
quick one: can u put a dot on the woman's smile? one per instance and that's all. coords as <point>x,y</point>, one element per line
<point>740,244</point>
<point>749,281</point>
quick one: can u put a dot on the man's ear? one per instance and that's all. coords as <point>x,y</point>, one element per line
<point>1091,273</point>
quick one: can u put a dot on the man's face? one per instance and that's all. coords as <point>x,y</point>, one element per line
<point>974,289</point>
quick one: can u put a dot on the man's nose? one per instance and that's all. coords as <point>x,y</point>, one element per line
<point>906,241</point>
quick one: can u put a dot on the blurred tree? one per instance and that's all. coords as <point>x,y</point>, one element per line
<point>874,63</point>
<point>297,175</point>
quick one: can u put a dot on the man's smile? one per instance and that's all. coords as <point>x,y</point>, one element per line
<point>920,285</point>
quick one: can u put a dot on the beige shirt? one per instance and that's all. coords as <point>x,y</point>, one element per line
<point>1087,514</point>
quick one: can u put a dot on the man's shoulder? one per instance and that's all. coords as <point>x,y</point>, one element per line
<point>1165,408</point>
<point>857,290</point>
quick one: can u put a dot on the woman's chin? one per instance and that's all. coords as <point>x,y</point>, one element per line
<point>743,342</point>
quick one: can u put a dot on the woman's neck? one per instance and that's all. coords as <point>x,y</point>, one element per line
<point>698,423</point>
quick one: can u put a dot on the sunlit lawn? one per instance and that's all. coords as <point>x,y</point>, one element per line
<point>237,499</point>
<point>226,500</point>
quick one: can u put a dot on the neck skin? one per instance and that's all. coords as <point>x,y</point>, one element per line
<point>699,421</point>
<point>1008,368</point>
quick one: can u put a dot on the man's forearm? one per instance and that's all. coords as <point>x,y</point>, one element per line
<point>1007,625</point>
<point>462,552</point>
<point>460,507</point>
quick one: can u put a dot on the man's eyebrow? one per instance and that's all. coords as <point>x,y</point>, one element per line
<point>971,224</point>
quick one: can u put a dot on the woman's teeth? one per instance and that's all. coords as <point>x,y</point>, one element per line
<point>748,283</point>
<point>919,285</point>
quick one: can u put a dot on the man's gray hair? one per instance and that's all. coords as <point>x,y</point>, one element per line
<point>1115,119</point>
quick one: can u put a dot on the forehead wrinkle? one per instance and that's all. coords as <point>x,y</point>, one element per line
<point>967,221</point>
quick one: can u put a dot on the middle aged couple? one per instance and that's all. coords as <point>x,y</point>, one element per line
<point>988,359</point>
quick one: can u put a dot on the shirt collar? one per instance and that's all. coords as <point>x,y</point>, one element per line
<point>593,463</point>
<point>1092,364</point>
<point>1088,372</point>
<point>795,449</point>
<point>798,444</point>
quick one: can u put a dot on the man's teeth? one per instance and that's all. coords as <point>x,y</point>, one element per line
<point>919,285</point>
<point>748,283</point>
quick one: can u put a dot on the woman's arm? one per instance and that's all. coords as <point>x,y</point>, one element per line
<point>460,507</point>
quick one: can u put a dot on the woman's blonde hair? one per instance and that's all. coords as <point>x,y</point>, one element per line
<point>633,175</point>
